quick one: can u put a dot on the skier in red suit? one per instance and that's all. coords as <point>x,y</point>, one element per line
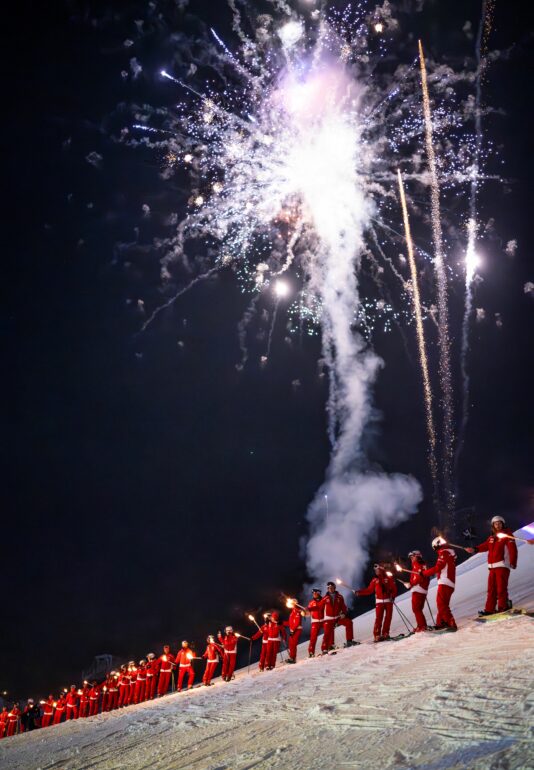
<point>84,701</point>
<point>335,614</point>
<point>229,644</point>
<point>385,591</point>
<point>132,673</point>
<point>13,719</point>
<point>113,691</point>
<point>166,663</point>
<point>263,633</point>
<point>124,686</point>
<point>294,623</point>
<point>140,683</point>
<point>445,569</point>
<point>184,664</point>
<point>502,557</point>
<point>59,710</point>
<point>419,588</point>
<point>71,703</point>
<point>277,632</point>
<point>94,696</point>
<point>48,711</point>
<point>3,722</point>
<point>316,612</point>
<point>152,668</point>
<point>212,655</point>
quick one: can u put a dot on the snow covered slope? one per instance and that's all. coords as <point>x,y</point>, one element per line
<point>430,702</point>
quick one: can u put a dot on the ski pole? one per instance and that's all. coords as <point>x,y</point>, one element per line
<point>403,615</point>
<point>403,619</point>
<point>249,655</point>
<point>432,616</point>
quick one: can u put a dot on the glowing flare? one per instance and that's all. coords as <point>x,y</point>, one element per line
<point>423,360</point>
<point>281,289</point>
<point>441,281</point>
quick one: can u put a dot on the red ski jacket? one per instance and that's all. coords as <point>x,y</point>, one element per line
<point>276,631</point>
<point>295,620</point>
<point>141,674</point>
<point>48,707</point>
<point>502,551</point>
<point>316,610</point>
<point>263,631</point>
<point>334,606</point>
<point>166,663</point>
<point>213,652</point>
<point>419,583</point>
<point>229,643</point>
<point>184,657</point>
<point>72,699</point>
<point>94,692</point>
<point>384,589</point>
<point>444,568</point>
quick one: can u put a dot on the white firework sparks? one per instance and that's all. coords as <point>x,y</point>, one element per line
<point>291,165</point>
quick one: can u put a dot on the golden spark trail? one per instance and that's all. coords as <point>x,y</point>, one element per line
<point>420,342</point>
<point>441,281</point>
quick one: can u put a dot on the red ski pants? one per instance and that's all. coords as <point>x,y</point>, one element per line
<point>3,726</point>
<point>113,699</point>
<point>273,648</point>
<point>140,687</point>
<point>209,672</point>
<point>164,682</point>
<point>124,695</point>
<point>186,671</point>
<point>84,709</point>
<point>443,598</point>
<point>418,605</point>
<point>497,589</point>
<point>72,713</point>
<point>93,707</point>
<point>383,615</point>
<point>329,625</point>
<point>46,721</point>
<point>263,654</point>
<point>316,627</point>
<point>293,643</point>
<point>150,686</point>
<point>228,666</point>
<point>58,716</point>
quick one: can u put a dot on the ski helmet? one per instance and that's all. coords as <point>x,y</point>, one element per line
<point>330,583</point>
<point>438,541</point>
<point>142,662</point>
<point>316,590</point>
<point>151,656</point>
<point>497,518</point>
<point>415,553</point>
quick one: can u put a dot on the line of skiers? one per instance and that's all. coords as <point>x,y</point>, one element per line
<point>154,676</point>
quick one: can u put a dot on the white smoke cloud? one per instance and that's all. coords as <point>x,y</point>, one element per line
<point>511,248</point>
<point>358,504</point>
<point>528,288</point>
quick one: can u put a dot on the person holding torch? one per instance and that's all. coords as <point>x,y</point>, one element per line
<point>294,623</point>
<point>212,655</point>
<point>502,557</point>
<point>384,588</point>
<point>184,664</point>
<point>263,633</point>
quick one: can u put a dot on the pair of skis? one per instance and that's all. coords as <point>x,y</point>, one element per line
<point>514,612</point>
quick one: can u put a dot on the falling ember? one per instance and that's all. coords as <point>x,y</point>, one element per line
<point>423,360</point>
<point>441,281</point>
<point>398,567</point>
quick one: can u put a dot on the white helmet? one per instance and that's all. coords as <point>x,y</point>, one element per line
<point>415,553</point>
<point>229,629</point>
<point>438,541</point>
<point>151,656</point>
<point>497,518</point>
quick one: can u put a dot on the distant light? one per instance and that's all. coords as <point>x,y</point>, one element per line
<point>199,200</point>
<point>217,187</point>
<point>290,33</point>
<point>188,158</point>
<point>281,288</point>
<point>379,27</point>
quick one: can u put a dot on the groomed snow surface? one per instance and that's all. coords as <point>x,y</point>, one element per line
<point>430,702</point>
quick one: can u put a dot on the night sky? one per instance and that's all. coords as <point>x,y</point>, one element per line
<point>151,491</point>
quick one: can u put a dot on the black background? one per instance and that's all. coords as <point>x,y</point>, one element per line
<point>152,492</point>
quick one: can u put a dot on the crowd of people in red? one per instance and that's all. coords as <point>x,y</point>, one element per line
<point>155,676</point>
